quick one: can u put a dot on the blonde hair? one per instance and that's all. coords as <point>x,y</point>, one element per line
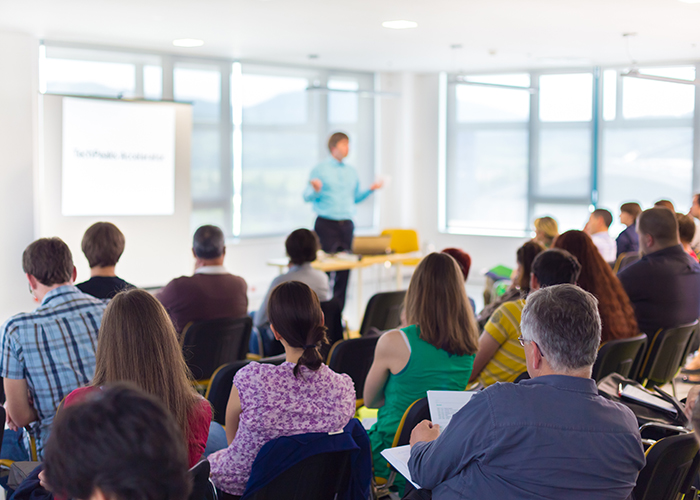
<point>138,343</point>
<point>437,302</point>
<point>548,226</point>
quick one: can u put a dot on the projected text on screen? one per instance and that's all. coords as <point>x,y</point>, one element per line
<point>118,158</point>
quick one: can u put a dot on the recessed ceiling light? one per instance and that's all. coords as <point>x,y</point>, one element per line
<point>400,25</point>
<point>188,42</point>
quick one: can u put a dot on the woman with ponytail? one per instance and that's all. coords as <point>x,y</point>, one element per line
<point>268,401</point>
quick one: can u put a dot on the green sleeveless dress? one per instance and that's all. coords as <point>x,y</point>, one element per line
<point>428,368</point>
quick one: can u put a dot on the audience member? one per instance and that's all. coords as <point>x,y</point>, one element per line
<point>301,246</point>
<point>301,395</point>
<point>138,344</point>
<point>695,214</point>
<point>549,437</point>
<point>597,228</point>
<point>435,352</point>
<point>49,352</point>
<point>103,245</point>
<point>212,292</point>
<point>120,444</point>
<point>665,204</point>
<point>500,357</point>
<point>521,282</point>
<point>686,232</point>
<point>546,230</point>
<point>664,285</point>
<point>628,241</point>
<point>464,261</point>
<point>597,278</point>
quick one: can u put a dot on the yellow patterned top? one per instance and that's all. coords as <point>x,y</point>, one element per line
<point>509,360</point>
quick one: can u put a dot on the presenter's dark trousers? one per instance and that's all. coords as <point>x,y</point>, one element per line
<point>336,236</point>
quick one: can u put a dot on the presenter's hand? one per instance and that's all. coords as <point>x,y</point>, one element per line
<point>316,184</point>
<point>377,185</point>
<point>425,431</point>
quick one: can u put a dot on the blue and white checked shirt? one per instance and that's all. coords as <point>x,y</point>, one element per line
<point>340,191</point>
<point>53,348</point>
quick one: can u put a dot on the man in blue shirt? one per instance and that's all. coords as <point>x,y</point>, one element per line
<point>550,437</point>
<point>628,240</point>
<point>334,189</point>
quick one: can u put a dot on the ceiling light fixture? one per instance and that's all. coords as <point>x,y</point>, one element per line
<point>188,42</point>
<point>400,25</point>
<point>634,73</point>
<point>464,81</point>
<point>324,89</point>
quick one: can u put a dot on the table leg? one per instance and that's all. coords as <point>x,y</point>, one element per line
<point>399,277</point>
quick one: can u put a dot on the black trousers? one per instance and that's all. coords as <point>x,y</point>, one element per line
<point>336,236</point>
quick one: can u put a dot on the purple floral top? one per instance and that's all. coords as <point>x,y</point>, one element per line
<point>273,404</point>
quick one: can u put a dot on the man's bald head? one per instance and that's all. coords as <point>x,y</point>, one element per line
<point>658,229</point>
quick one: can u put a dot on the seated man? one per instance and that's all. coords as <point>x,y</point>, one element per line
<point>549,437</point>
<point>597,228</point>
<point>103,245</point>
<point>664,285</point>
<point>49,352</point>
<point>500,357</point>
<point>213,292</point>
<point>628,241</point>
<point>301,246</point>
<point>120,444</point>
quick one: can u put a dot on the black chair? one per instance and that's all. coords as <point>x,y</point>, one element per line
<point>202,487</point>
<point>523,376</point>
<point>414,415</point>
<point>354,357</point>
<point>669,463</point>
<point>209,344</point>
<point>619,356</point>
<point>219,388</point>
<point>383,312</point>
<point>665,355</point>
<point>334,322</point>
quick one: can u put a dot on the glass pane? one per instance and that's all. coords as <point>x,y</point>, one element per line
<point>108,79</point>
<point>567,216</point>
<point>566,98</point>
<point>487,181</point>
<point>565,163</point>
<point>609,94</point>
<point>206,163</point>
<point>276,171</point>
<point>343,106</point>
<point>153,82</point>
<point>652,99</point>
<point>202,216</point>
<point>274,100</point>
<point>490,104</point>
<point>646,165</point>
<point>202,87</point>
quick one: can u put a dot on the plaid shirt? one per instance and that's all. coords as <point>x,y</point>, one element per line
<point>53,348</point>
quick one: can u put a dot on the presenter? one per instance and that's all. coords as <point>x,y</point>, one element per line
<point>334,189</point>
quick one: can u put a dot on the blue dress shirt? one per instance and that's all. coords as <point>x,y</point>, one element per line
<point>340,191</point>
<point>551,437</point>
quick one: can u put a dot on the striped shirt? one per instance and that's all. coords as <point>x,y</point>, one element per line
<point>509,360</point>
<point>53,348</point>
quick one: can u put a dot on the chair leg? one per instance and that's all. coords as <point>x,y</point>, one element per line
<point>673,386</point>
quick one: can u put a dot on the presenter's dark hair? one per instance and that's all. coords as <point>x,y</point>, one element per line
<point>208,242</point>
<point>120,441</point>
<point>295,314</point>
<point>103,244</point>
<point>631,208</point>
<point>336,138</point>
<point>301,246</point>
<point>49,260</point>
<point>686,227</point>
<point>605,215</point>
<point>556,267</point>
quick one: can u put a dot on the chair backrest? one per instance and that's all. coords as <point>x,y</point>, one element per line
<point>403,240</point>
<point>219,388</point>
<point>333,317</point>
<point>523,376</point>
<point>619,356</point>
<point>383,311</point>
<point>414,415</point>
<point>669,462</point>
<point>209,344</point>
<point>202,488</point>
<point>665,354</point>
<point>354,357</point>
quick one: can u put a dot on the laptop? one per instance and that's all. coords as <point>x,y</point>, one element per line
<point>371,245</point>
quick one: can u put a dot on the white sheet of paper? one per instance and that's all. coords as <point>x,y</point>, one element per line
<point>398,458</point>
<point>444,404</point>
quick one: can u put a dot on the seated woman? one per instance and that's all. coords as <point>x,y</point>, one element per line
<point>138,344</point>
<point>268,401</point>
<point>435,353</point>
<point>546,231</point>
<point>301,246</point>
<point>596,277</point>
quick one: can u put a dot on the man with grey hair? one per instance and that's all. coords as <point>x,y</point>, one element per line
<point>551,436</point>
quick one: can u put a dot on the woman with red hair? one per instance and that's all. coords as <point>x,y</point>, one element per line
<point>616,312</point>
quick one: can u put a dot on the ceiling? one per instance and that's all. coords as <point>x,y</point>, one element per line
<point>490,34</point>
